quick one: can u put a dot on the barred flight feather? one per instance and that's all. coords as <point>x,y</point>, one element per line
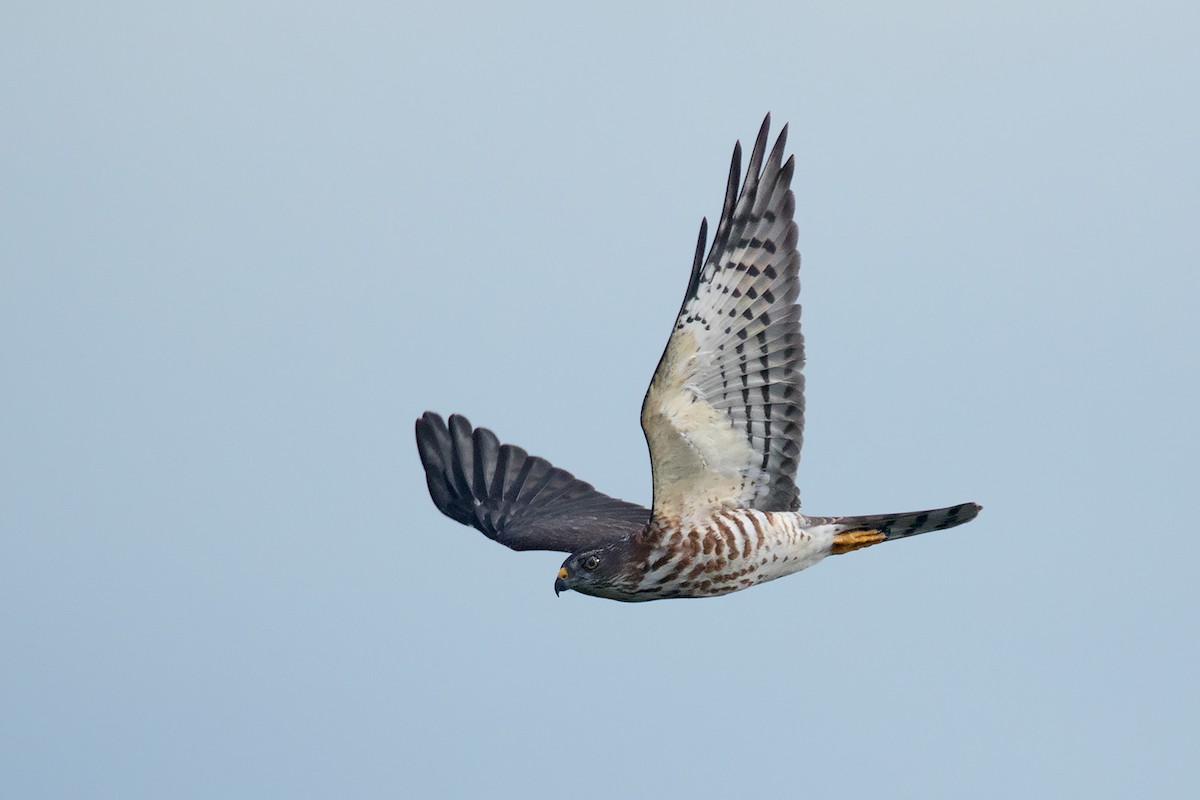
<point>724,414</point>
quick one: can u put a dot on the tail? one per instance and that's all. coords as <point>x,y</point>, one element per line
<point>855,533</point>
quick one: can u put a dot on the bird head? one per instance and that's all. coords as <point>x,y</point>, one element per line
<point>595,572</point>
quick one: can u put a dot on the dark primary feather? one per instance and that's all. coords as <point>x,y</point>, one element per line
<point>521,501</point>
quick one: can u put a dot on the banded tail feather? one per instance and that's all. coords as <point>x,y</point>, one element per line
<point>858,532</point>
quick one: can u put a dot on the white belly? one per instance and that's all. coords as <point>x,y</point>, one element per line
<point>787,546</point>
<point>732,550</point>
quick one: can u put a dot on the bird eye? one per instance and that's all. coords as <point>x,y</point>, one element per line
<point>591,562</point>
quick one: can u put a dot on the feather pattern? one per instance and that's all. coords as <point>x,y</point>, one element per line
<point>519,500</point>
<point>723,417</point>
<point>724,414</point>
<point>900,526</point>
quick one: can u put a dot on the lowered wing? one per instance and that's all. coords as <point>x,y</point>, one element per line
<point>522,501</point>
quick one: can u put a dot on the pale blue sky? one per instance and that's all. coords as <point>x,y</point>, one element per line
<point>243,246</point>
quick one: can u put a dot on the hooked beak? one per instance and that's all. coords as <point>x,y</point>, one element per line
<point>560,585</point>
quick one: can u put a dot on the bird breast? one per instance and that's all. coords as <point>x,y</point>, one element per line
<point>728,550</point>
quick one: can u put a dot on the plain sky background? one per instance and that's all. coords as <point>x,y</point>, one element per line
<point>244,245</point>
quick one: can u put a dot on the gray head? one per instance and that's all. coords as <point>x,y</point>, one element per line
<point>598,571</point>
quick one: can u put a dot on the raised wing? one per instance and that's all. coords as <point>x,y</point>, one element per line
<point>724,414</point>
<point>521,501</point>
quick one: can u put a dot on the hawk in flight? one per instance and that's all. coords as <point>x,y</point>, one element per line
<point>723,417</point>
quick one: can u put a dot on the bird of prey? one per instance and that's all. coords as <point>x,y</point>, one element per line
<point>723,418</point>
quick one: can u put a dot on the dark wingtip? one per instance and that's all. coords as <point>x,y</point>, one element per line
<point>430,432</point>
<point>697,263</point>
<point>760,143</point>
<point>430,418</point>
<point>732,182</point>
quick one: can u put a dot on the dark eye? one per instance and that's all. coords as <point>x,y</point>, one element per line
<point>591,562</point>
